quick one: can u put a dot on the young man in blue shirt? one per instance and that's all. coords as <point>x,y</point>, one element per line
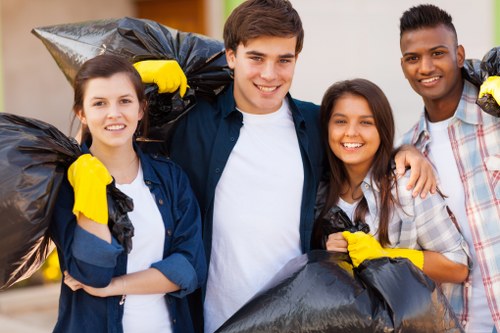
<point>254,157</point>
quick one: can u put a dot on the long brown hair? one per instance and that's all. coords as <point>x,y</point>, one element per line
<point>105,66</point>
<point>381,172</point>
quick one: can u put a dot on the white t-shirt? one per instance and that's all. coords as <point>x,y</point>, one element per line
<point>144,313</point>
<point>256,213</point>
<point>441,154</point>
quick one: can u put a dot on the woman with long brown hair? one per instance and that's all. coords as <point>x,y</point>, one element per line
<point>358,129</point>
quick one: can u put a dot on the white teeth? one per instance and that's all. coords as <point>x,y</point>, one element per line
<point>432,79</point>
<point>115,127</point>
<point>267,89</point>
<point>352,145</point>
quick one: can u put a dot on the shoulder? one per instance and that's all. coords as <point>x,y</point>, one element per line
<point>160,162</point>
<point>410,136</point>
<point>307,107</point>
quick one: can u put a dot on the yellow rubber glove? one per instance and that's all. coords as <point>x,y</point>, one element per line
<point>166,74</point>
<point>492,87</point>
<point>89,178</point>
<point>362,246</point>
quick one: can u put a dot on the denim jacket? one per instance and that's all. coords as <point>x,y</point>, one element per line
<point>95,262</point>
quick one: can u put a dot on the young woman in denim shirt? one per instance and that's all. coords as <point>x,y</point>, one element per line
<point>167,260</point>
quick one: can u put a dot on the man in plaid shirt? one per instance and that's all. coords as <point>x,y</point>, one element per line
<point>463,144</point>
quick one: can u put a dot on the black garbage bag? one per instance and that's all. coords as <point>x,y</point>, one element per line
<point>119,204</point>
<point>335,220</point>
<point>202,59</point>
<point>321,292</point>
<point>478,71</point>
<point>34,158</point>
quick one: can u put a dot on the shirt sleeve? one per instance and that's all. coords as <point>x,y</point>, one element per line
<point>437,232</point>
<point>87,258</point>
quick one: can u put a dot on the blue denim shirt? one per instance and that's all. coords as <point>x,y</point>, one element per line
<point>95,262</point>
<point>205,137</point>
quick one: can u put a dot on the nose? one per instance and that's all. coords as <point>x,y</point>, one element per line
<point>351,130</point>
<point>269,71</point>
<point>114,111</point>
<point>426,65</point>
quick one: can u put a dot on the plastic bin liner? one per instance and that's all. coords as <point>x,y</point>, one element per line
<point>34,158</point>
<point>202,59</point>
<point>477,71</point>
<point>321,292</point>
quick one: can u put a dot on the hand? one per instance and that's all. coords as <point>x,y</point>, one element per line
<point>422,177</point>
<point>336,242</point>
<point>491,87</point>
<point>89,178</point>
<point>166,74</point>
<point>71,283</point>
<point>363,246</point>
<point>75,285</point>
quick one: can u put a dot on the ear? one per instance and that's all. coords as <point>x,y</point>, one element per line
<point>81,116</point>
<point>460,56</point>
<point>230,58</point>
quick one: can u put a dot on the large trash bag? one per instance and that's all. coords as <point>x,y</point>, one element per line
<point>34,158</point>
<point>202,59</point>
<point>335,220</point>
<point>321,292</point>
<point>478,71</point>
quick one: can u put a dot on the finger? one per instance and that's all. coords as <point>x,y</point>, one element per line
<point>336,246</point>
<point>415,174</point>
<point>426,187</point>
<point>399,160</point>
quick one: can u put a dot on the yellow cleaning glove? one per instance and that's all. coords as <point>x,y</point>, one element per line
<point>492,87</point>
<point>166,74</point>
<point>89,178</point>
<point>362,246</point>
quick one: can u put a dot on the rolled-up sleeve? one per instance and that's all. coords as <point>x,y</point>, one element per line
<point>437,231</point>
<point>87,258</point>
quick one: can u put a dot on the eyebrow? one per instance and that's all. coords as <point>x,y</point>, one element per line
<point>121,96</point>
<point>339,114</point>
<point>431,49</point>
<point>281,56</point>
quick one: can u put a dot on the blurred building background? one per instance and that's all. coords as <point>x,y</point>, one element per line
<point>343,39</point>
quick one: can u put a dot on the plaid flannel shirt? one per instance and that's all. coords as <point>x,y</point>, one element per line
<point>475,140</point>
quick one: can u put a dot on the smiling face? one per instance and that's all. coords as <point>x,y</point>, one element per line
<point>111,110</point>
<point>352,134</point>
<point>432,62</point>
<point>263,73</point>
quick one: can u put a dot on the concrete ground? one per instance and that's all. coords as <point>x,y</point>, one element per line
<point>29,309</point>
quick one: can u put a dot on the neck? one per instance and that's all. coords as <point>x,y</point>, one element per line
<point>351,191</point>
<point>122,163</point>
<point>444,108</point>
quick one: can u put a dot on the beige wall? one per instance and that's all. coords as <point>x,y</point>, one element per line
<point>344,39</point>
<point>33,84</point>
<point>360,38</point>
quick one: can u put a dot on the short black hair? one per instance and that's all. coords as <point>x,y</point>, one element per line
<point>425,16</point>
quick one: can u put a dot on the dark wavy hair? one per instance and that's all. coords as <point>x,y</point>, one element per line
<point>381,171</point>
